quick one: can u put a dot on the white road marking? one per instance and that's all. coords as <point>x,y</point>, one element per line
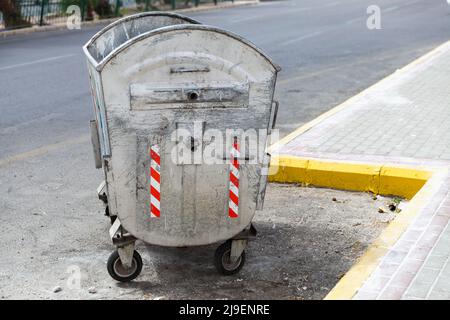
<point>393,8</point>
<point>353,20</point>
<point>331,4</point>
<point>19,65</point>
<point>289,11</point>
<point>400,7</point>
<point>389,9</point>
<point>306,36</point>
<point>43,150</point>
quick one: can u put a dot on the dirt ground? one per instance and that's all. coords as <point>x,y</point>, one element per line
<point>53,226</point>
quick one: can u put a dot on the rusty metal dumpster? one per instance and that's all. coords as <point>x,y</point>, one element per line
<point>178,107</point>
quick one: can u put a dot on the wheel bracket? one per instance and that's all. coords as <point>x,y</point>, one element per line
<point>101,192</point>
<point>248,233</point>
<point>237,247</point>
<point>126,254</point>
<point>119,236</point>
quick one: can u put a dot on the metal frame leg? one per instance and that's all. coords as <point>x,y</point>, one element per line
<point>124,242</point>
<point>237,247</point>
<point>126,254</point>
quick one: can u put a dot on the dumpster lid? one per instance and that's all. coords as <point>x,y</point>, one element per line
<point>99,65</point>
<point>124,29</point>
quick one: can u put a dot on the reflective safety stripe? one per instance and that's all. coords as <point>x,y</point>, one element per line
<point>155,182</point>
<point>233,202</point>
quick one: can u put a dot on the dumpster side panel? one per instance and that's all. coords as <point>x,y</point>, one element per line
<point>99,109</point>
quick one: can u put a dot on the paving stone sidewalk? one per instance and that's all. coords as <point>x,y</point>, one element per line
<point>403,119</point>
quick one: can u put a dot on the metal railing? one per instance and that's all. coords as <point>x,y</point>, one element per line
<point>25,13</point>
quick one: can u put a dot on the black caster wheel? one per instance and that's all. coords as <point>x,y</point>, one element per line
<point>222,260</point>
<point>119,272</point>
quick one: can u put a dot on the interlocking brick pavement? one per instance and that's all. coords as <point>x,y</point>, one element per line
<point>407,115</point>
<point>403,119</point>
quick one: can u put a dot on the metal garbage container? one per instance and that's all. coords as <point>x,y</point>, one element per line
<point>178,106</point>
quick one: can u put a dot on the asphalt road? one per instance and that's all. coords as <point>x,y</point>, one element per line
<point>49,213</point>
<point>324,47</point>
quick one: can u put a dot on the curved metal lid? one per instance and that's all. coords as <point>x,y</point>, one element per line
<point>99,65</point>
<point>122,30</point>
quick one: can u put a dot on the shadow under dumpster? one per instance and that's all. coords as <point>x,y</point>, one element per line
<point>300,251</point>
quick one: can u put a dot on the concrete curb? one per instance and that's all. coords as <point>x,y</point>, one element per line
<point>62,26</point>
<point>419,183</point>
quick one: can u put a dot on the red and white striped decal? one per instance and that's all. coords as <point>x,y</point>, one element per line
<point>155,181</point>
<point>233,202</point>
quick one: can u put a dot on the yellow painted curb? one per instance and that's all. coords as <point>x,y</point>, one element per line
<point>404,182</point>
<point>376,178</point>
<point>417,184</point>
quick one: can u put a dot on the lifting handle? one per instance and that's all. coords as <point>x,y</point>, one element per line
<point>96,144</point>
<point>275,113</point>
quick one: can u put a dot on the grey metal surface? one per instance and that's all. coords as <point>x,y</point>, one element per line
<point>106,43</point>
<point>95,140</point>
<point>171,78</point>
<point>120,31</point>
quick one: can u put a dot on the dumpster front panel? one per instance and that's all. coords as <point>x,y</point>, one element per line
<point>171,90</point>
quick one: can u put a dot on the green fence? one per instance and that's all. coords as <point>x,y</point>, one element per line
<point>26,13</point>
